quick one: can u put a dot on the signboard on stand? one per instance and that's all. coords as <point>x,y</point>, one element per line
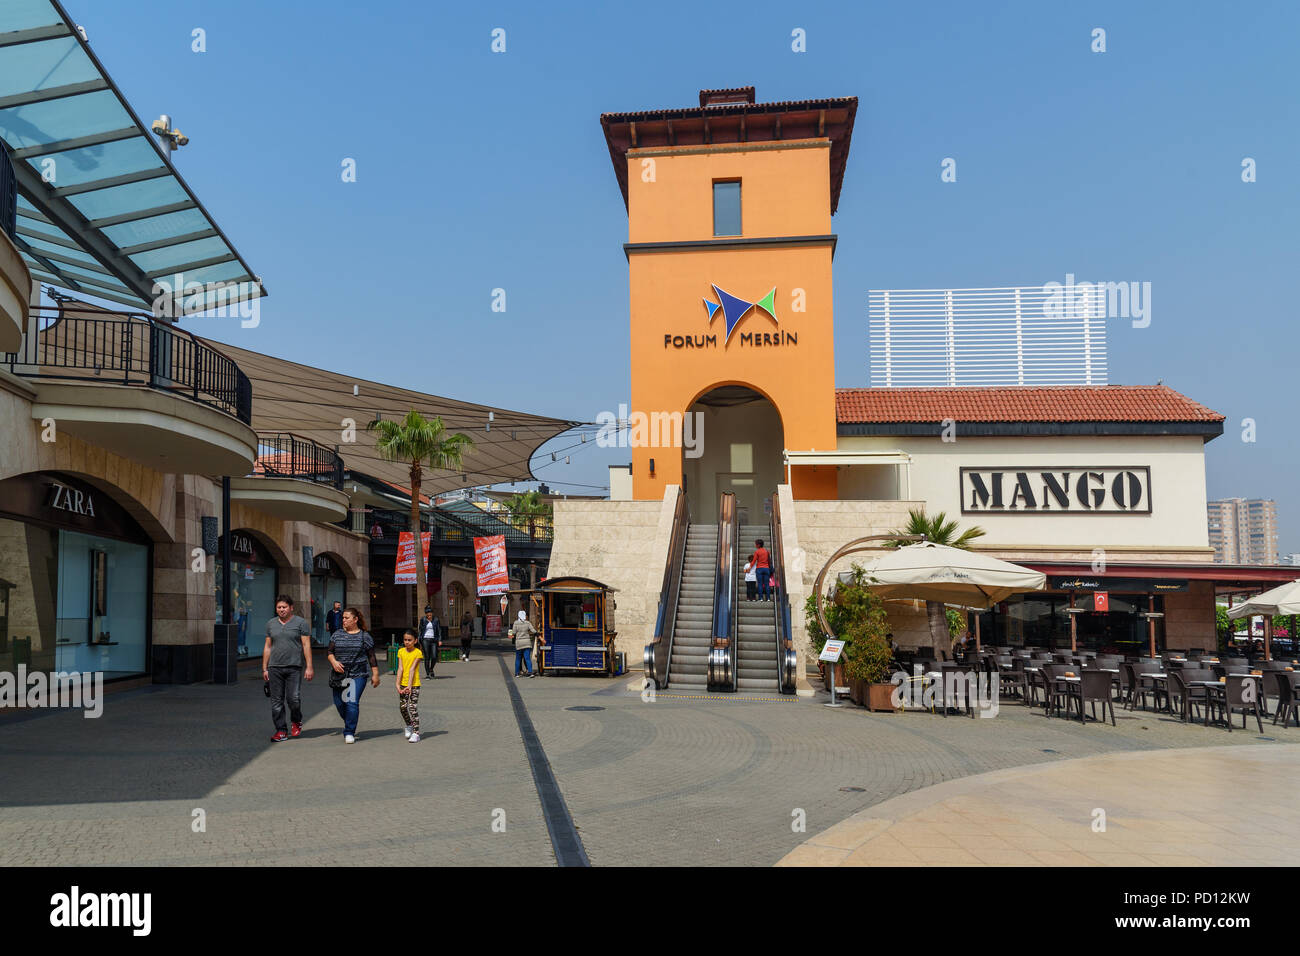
<point>494,625</point>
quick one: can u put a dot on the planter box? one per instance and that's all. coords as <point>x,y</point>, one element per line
<point>858,691</point>
<point>878,698</point>
<point>841,680</point>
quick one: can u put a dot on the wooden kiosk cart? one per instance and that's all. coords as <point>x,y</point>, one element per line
<point>578,625</point>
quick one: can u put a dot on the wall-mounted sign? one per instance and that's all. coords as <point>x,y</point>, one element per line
<point>73,500</point>
<point>1056,490</point>
<point>1096,583</point>
<point>733,309</point>
<point>324,564</point>
<point>64,501</point>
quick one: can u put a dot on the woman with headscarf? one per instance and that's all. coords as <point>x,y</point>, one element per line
<point>523,632</point>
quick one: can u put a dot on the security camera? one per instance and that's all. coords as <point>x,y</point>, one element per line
<point>181,138</point>
<point>160,126</point>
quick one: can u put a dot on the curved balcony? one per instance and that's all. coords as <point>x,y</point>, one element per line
<point>139,388</point>
<point>294,479</point>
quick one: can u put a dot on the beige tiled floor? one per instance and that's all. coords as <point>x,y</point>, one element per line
<point>1215,805</point>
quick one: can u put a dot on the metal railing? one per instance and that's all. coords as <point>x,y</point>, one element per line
<point>8,195</point>
<point>722,669</point>
<point>659,651</point>
<point>281,455</point>
<point>119,348</point>
<point>449,528</point>
<point>787,662</point>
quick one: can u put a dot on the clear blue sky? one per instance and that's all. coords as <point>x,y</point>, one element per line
<point>479,170</point>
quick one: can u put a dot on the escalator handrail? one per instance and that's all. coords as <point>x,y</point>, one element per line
<point>787,662</point>
<point>722,646</point>
<point>658,653</point>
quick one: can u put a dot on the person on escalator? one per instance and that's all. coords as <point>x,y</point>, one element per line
<point>762,562</point>
<point>751,581</point>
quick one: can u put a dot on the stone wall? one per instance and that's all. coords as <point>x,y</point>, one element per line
<point>1189,618</point>
<point>819,529</point>
<point>619,544</point>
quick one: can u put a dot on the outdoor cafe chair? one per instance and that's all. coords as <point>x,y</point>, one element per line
<point>1187,695</point>
<point>1055,691</point>
<point>1093,688</point>
<point>1232,697</point>
<point>1286,697</point>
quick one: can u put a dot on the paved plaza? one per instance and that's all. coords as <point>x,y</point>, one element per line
<point>680,780</point>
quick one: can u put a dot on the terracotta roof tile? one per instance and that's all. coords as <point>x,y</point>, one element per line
<point>1058,403</point>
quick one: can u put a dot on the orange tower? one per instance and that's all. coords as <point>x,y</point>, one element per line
<point>729,264</point>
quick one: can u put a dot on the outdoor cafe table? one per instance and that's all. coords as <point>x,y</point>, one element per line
<point>1221,687</point>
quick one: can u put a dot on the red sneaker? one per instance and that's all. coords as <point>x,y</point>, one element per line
<point>279,735</point>
<point>295,730</point>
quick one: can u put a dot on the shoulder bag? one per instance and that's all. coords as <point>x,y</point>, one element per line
<point>337,679</point>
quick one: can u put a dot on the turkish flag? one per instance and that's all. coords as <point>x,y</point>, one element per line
<point>1100,601</point>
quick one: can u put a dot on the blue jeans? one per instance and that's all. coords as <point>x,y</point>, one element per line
<point>524,655</point>
<point>286,688</point>
<point>350,709</point>
<point>765,584</point>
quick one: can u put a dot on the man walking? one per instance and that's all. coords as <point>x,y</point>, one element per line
<point>333,620</point>
<point>466,635</point>
<point>429,642</point>
<point>285,656</point>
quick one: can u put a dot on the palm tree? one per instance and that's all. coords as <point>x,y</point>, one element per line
<point>419,440</point>
<point>530,506</point>
<point>939,530</point>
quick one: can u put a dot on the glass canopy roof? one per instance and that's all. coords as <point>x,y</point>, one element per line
<point>101,211</point>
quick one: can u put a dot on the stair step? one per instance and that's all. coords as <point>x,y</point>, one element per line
<point>756,683</point>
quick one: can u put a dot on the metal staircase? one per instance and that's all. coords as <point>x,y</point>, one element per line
<point>756,659</point>
<point>688,664</point>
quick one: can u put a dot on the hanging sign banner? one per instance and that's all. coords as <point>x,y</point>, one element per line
<point>490,565</point>
<point>405,569</point>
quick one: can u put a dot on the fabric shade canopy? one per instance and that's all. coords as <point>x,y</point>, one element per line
<point>1284,599</point>
<point>314,403</point>
<point>934,572</point>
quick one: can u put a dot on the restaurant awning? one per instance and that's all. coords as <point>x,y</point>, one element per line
<point>101,211</point>
<point>317,404</point>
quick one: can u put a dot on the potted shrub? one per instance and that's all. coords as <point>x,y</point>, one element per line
<point>857,617</point>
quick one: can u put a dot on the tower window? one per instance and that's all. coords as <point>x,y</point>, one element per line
<point>726,208</point>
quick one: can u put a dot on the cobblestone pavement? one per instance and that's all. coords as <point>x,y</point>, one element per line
<point>1173,808</point>
<point>679,780</point>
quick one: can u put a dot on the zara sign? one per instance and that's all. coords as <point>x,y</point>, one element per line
<point>1057,490</point>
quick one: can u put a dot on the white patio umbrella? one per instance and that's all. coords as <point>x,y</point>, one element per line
<point>1283,599</point>
<point>935,572</point>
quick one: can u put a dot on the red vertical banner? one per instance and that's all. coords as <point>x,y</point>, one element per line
<point>490,565</point>
<point>404,572</point>
<point>1100,601</point>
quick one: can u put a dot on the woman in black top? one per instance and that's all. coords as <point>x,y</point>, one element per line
<point>350,647</point>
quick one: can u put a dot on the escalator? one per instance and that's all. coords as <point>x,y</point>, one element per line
<point>706,636</point>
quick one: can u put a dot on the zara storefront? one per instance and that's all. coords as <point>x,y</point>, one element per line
<point>75,579</point>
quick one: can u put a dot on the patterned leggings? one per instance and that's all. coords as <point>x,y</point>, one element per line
<point>409,705</point>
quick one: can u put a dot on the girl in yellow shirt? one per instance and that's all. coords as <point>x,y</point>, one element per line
<point>408,685</point>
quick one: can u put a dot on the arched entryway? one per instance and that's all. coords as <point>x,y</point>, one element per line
<point>329,585</point>
<point>255,564</point>
<point>739,447</point>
